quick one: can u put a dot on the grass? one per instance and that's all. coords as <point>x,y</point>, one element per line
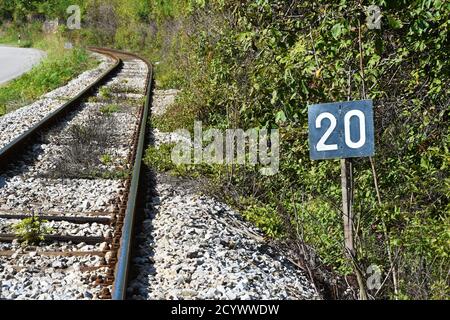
<point>106,159</point>
<point>109,109</point>
<point>56,69</point>
<point>177,116</point>
<point>105,93</point>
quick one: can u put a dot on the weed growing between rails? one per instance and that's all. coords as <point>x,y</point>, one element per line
<point>31,230</point>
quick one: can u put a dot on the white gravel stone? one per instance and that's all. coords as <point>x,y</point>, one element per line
<point>201,249</point>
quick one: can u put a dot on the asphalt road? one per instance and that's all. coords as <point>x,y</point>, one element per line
<point>16,61</point>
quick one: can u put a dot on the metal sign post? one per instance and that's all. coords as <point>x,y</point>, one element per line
<point>342,130</point>
<point>347,201</point>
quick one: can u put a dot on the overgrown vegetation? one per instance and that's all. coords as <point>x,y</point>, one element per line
<point>259,63</point>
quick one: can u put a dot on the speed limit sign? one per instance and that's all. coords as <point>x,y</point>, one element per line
<point>341,130</point>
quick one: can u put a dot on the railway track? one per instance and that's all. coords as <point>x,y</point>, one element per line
<point>78,169</point>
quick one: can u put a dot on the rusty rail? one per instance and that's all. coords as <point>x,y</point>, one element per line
<point>123,217</point>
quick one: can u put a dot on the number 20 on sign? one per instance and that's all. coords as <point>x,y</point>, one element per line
<point>341,130</point>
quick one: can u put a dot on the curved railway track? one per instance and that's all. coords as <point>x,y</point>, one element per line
<point>79,168</point>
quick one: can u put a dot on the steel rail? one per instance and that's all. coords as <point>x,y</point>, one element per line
<point>127,216</point>
<point>124,254</point>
